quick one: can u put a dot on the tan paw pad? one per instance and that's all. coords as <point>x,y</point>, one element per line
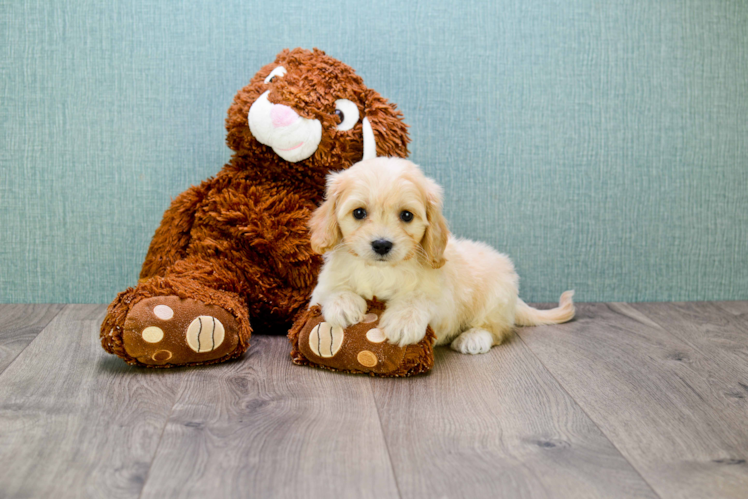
<point>370,318</point>
<point>375,336</point>
<point>325,341</point>
<point>161,356</point>
<point>367,358</point>
<point>164,312</point>
<point>205,334</point>
<point>153,334</point>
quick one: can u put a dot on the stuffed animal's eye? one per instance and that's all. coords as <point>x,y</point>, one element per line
<point>278,71</point>
<point>406,216</point>
<point>359,214</point>
<point>347,111</point>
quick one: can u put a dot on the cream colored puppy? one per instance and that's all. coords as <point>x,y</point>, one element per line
<point>382,234</point>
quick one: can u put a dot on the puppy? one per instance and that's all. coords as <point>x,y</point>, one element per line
<point>382,234</point>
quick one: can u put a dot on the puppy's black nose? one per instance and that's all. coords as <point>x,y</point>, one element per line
<point>382,247</point>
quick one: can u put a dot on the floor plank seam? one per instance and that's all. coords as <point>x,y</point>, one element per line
<point>688,343</point>
<point>158,445</point>
<point>384,438</point>
<point>64,306</point>
<point>696,348</point>
<point>581,407</point>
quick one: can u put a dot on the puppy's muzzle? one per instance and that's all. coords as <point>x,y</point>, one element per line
<point>382,247</point>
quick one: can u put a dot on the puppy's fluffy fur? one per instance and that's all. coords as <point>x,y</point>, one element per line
<point>464,289</point>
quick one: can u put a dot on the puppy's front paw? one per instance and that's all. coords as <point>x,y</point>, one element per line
<point>404,326</point>
<point>344,309</point>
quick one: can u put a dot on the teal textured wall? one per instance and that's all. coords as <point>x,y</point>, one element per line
<point>602,145</point>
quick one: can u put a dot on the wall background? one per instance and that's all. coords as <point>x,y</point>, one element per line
<point>603,146</point>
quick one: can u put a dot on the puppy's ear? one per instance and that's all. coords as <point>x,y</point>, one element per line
<point>434,240</point>
<point>325,231</point>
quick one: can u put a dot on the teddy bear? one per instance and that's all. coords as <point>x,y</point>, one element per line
<point>232,254</point>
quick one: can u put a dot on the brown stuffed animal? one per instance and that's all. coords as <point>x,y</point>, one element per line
<point>360,348</point>
<point>236,247</point>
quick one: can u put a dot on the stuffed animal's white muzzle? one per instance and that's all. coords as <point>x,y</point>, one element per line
<point>292,137</point>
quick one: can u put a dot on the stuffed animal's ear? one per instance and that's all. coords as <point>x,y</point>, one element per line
<point>434,240</point>
<point>386,128</point>
<point>325,232</point>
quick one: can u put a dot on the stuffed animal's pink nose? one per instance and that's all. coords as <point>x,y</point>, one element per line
<point>282,116</point>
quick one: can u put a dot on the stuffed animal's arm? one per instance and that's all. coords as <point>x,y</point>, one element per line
<point>170,242</point>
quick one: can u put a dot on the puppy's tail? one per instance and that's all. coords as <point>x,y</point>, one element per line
<point>529,316</point>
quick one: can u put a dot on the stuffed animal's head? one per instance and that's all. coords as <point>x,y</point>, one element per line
<point>310,113</point>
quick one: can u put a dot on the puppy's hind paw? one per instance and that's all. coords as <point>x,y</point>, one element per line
<point>473,341</point>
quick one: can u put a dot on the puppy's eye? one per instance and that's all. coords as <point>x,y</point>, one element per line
<point>347,111</point>
<point>359,214</point>
<point>406,216</point>
<point>279,71</point>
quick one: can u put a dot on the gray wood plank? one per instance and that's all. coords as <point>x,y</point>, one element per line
<point>76,421</point>
<point>721,337</point>
<point>738,308</point>
<point>497,425</point>
<point>264,427</point>
<point>19,324</point>
<point>660,400</point>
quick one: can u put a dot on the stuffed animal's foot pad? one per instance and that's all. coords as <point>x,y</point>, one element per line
<point>172,330</point>
<point>359,348</point>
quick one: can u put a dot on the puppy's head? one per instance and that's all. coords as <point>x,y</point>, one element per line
<point>383,210</point>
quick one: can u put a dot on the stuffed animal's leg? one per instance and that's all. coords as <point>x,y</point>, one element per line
<point>174,320</point>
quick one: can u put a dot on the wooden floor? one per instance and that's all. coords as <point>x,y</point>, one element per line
<point>628,400</point>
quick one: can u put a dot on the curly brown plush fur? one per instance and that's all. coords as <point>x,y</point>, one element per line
<point>239,240</point>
